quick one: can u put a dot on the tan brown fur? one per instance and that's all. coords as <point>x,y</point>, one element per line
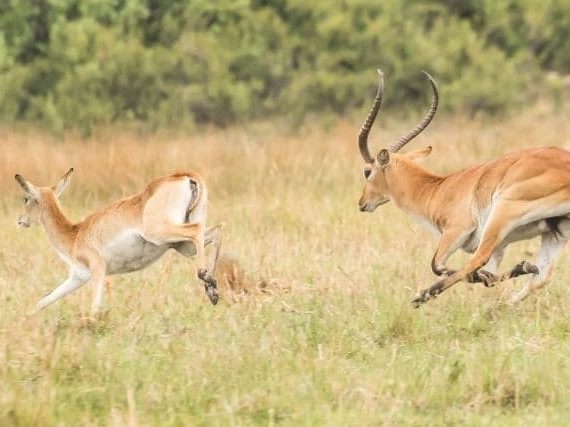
<point>533,183</point>
<point>480,209</point>
<point>146,224</point>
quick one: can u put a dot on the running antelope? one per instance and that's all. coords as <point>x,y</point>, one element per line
<point>481,209</point>
<point>127,235</point>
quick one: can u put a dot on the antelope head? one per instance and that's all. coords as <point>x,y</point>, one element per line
<point>379,171</point>
<point>36,198</point>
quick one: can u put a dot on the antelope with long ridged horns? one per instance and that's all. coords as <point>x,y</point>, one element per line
<point>481,209</point>
<point>127,235</point>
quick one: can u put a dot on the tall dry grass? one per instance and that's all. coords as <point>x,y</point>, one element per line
<point>315,327</point>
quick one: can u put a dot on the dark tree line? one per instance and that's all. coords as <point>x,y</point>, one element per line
<point>80,63</point>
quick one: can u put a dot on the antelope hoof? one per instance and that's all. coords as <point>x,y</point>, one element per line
<point>427,294</point>
<point>526,268</point>
<point>422,298</point>
<point>202,274</point>
<point>212,292</point>
<point>210,285</point>
<point>482,276</point>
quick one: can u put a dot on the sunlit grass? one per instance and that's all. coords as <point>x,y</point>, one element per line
<point>323,335</point>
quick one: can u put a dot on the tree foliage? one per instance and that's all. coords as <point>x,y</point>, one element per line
<point>79,63</point>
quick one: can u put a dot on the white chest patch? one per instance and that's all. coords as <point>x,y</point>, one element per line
<point>79,269</point>
<point>426,223</point>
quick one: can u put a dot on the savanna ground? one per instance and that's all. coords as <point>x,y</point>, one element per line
<point>317,329</point>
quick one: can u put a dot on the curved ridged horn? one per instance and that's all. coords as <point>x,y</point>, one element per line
<point>365,129</point>
<point>403,140</point>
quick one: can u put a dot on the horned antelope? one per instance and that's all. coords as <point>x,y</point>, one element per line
<point>127,235</point>
<point>481,209</point>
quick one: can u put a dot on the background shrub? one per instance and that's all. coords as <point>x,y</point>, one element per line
<point>81,63</point>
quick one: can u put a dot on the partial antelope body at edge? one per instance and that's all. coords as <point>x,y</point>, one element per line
<point>481,209</point>
<point>128,235</point>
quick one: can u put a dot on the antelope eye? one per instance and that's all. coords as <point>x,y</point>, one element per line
<point>367,172</point>
<point>26,200</point>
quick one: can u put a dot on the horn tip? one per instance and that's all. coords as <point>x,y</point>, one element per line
<point>428,75</point>
<point>380,78</point>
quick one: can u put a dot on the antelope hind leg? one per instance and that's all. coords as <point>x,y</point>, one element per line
<point>188,248</point>
<point>215,236</point>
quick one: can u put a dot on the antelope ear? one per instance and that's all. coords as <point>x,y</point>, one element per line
<point>62,184</point>
<point>383,158</point>
<point>420,154</point>
<point>27,186</point>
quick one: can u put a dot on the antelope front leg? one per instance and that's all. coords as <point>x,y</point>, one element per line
<point>98,272</point>
<point>473,274</point>
<point>449,244</point>
<point>451,240</point>
<point>488,274</point>
<point>500,224</point>
<point>520,269</point>
<point>479,259</point>
<point>73,282</point>
<point>490,278</point>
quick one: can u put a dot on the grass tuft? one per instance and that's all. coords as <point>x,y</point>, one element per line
<point>315,325</point>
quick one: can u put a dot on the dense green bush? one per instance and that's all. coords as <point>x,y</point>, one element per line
<point>79,63</point>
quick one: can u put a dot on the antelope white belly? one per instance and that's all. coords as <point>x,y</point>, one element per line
<point>129,251</point>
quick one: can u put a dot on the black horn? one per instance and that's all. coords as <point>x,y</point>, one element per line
<point>365,130</point>
<point>403,140</point>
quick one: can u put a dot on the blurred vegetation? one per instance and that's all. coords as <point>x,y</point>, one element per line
<point>80,63</point>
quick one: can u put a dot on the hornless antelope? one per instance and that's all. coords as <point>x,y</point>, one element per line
<point>481,209</point>
<point>127,235</point>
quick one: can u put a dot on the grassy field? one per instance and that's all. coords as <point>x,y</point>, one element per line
<point>316,329</point>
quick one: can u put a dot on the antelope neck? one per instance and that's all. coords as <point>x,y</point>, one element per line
<point>61,232</point>
<point>414,188</point>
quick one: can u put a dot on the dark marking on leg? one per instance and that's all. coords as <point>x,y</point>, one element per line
<point>193,200</point>
<point>553,223</point>
<point>440,271</point>
<point>436,270</point>
<point>210,285</point>
<point>489,279</point>
<point>426,294</point>
<point>482,276</point>
<point>522,268</point>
